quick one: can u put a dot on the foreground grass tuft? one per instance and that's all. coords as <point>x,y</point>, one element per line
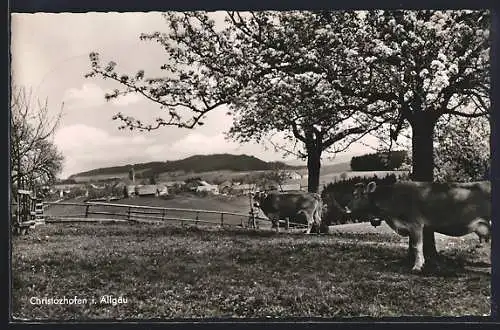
<point>173,272</point>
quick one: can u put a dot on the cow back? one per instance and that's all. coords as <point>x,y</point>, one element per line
<point>287,204</point>
<point>439,205</point>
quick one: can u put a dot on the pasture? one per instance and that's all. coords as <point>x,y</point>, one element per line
<point>173,272</point>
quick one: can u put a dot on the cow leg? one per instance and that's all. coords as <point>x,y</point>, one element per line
<point>416,237</point>
<point>310,223</point>
<point>276,223</point>
<point>411,252</point>
<point>319,222</point>
<point>430,251</point>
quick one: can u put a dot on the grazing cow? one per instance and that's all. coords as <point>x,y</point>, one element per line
<point>453,209</point>
<point>290,204</point>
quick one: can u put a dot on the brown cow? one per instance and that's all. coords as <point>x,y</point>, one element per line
<point>290,204</point>
<point>453,209</point>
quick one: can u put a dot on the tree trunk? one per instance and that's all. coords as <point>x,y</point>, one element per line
<point>423,164</point>
<point>313,169</point>
<point>423,147</point>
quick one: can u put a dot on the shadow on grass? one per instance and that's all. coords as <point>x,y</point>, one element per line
<point>444,265</point>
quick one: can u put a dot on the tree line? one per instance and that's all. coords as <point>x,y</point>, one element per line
<point>380,161</point>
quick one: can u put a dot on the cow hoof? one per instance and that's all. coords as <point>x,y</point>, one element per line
<point>416,270</point>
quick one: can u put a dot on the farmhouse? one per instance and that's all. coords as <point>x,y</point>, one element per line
<point>169,184</point>
<point>98,187</point>
<point>242,189</point>
<point>150,190</point>
<point>290,186</point>
<point>125,187</point>
<point>294,175</point>
<point>130,190</point>
<point>68,186</point>
<point>225,187</point>
<point>207,187</point>
<point>161,190</point>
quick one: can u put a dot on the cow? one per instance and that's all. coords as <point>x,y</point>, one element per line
<point>453,209</point>
<point>290,204</point>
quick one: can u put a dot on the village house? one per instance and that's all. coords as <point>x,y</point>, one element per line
<point>290,186</point>
<point>207,187</point>
<point>243,188</point>
<point>292,175</point>
<point>151,190</point>
<point>169,184</point>
<point>225,187</point>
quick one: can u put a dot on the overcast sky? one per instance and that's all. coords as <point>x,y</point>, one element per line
<point>50,55</point>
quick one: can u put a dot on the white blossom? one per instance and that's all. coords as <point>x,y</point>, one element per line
<point>351,52</point>
<point>453,68</point>
<point>437,65</point>
<point>408,95</point>
<point>321,31</point>
<point>441,57</point>
<point>370,59</point>
<point>423,73</point>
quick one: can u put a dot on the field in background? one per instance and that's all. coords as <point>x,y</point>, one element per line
<point>174,272</point>
<point>220,203</point>
<point>234,204</point>
<point>211,176</point>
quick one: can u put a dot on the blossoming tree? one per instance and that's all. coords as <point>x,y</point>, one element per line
<point>427,65</point>
<point>273,70</point>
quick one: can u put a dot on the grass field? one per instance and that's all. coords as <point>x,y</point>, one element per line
<point>174,272</point>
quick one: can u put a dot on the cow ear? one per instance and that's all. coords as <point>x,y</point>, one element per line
<point>371,187</point>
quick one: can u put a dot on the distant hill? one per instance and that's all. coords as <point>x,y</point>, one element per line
<point>194,164</point>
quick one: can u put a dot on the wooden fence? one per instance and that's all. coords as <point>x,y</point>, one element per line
<point>60,212</point>
<point>26,211</point>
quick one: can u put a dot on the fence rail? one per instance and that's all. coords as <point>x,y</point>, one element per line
<point>122,213</point>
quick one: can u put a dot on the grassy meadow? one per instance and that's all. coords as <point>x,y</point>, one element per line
<point>173,272</point>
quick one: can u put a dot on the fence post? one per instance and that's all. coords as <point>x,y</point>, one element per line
<point>287,223</point>
<point>222,219</point>
<point>128,214</point>
<point>163,215</point>
<point>197,217</point>
<point>87,210</point>
<point>39,217</point>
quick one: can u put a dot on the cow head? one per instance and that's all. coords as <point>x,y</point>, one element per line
<point>362,204</point>
<point>258,197</point>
